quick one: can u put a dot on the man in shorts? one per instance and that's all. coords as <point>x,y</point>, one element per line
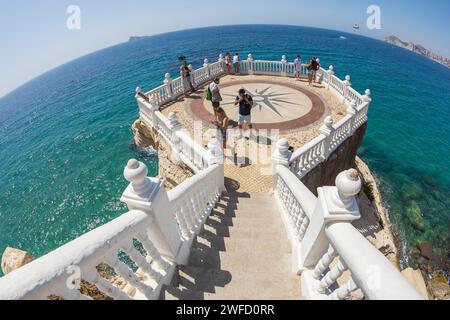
<point>245,103</point>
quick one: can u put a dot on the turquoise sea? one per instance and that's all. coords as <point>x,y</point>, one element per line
<point>65,136</point>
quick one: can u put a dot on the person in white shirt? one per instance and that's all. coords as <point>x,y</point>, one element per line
<point>298,67</point>
<point>236,63</point>
<point>215,92</point>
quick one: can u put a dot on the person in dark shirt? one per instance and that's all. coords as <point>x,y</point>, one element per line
<point>187,80</point>
<point>313,67</point>
<point>245,103</point>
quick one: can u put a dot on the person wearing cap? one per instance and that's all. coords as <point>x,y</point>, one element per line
<point>245,102</point>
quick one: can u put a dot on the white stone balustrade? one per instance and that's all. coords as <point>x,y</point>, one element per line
<point>154,221</point>
<point>330,246</point>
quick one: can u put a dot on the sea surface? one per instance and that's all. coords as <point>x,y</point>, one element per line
<point>65,137</point>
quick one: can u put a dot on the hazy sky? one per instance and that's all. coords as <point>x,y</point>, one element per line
<point>34,37</point>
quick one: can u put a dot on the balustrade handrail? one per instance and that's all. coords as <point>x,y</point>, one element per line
<point>41,277</point>
<point>304,197</point>
<point>373,274</point>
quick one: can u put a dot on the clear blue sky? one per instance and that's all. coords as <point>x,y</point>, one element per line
<point>34,37</point>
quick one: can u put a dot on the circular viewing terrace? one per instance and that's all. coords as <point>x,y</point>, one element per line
<point>277,105</point>
<point>291,108</point>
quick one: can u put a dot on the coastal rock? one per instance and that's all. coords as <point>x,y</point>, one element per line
<point>13,259</point>
<point>416,279</point>
<point>415,216</point>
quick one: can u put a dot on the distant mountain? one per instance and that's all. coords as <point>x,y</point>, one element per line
<point>417,49</point>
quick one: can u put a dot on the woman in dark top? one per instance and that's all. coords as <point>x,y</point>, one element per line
<point>187,79</point>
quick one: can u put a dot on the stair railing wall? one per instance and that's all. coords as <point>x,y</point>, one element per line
<point>332,256</point>
<point>140,248</point>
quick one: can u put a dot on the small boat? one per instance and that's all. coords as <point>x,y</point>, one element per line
<point>343,38</point>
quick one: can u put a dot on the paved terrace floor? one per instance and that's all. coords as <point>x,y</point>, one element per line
<point>284,108</point>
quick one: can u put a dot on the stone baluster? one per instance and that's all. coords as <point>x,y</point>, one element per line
<point>324,263</point>
<point>168,83</point>
<point>149,195</point>
<point>283,66</point>
<point>153,253</point>
<point>208,71</point>
<point>347,84</point>
<point>343,291</point>
<point>125,272</point>
<point>141,262</point>
<point>327,130</point>
<point>331,276</point>
<point>335,204</point>
<point>250,61</point>
<point>330,75</point>
<point>186,225</point>
<point>105,286</point>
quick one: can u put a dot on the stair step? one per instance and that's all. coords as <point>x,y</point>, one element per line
<point>241,253</point>
<point>232,244</point>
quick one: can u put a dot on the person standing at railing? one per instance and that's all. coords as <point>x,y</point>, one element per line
<point>187,80</point>
<point>236,64</point>
<point>313,67</point>
<point>216,97</point>
<point>245,102</point>
<point>298,67</point>
<point>228,62</point>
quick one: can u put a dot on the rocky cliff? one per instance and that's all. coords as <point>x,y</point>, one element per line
<point>417,48</point>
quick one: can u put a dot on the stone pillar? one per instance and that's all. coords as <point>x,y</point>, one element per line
<point>250,61</point>
<point>351,111</point>
<point>327,130</point>
<point>283,66</point>
<point>215,151</point>
<point>14,259</point>
<point>330,74</point>
<point>168,83</point>
<point>138,91</point>
<point>148,195</point>
<point>206,65</point>
<point>216,157</point>
<point>335,204</point>
<point>280,157</point>
<point>367,97</point>
<point>175,126</point>
<point>347,84</point>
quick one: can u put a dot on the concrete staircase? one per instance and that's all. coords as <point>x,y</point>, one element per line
<point>242,253</point>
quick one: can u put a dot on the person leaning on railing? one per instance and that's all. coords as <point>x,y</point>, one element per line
<point>313,67</point>
<point>187,79</point>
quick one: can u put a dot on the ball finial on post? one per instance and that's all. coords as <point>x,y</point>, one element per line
<point>348,184</point>
<point>136,173</point>
<point>367,97</point>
